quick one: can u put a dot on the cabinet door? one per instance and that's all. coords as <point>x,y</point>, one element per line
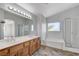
<point>75,33</point>
<point>16,50</point>
<point>34,45</point>
<point>4,52</point>
<point>67,32</point>
<point>26,48</point>
<point>38,43</point>
<point>31,47</point>
<point>20,52</point>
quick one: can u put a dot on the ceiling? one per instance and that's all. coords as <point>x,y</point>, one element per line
<point>47,9</point>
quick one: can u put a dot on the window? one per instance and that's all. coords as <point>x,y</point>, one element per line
<point>54,26</point>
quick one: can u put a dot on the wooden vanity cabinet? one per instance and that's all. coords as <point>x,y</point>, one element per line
<point>4,52</point>
<point>26,48</point>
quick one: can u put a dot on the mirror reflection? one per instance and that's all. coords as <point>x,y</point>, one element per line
<point>10,28</point>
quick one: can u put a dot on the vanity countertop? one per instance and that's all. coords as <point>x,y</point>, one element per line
<point>8,43</point>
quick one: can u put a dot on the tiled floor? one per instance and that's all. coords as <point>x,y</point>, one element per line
<point>48,51</point>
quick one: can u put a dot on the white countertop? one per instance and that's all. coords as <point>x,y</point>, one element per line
<point>8,43</point>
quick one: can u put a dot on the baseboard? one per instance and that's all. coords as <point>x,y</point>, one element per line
<point>53,44</point>
<point>60,45</point>
<point>71,49</point>
<point>61,49</point>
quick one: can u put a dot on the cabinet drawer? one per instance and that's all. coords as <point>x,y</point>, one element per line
<point>4,52</point>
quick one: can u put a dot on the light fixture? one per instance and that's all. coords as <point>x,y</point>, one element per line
<point>30,17</point>
<point>24,14</point>
<point>14,9</point>
<point>9,7</point>
<point>20,12</point>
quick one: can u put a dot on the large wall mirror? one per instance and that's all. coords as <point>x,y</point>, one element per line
<point>24,29</point>
<point>10,28</point>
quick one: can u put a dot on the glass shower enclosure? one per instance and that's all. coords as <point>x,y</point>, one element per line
<point>71,33</point>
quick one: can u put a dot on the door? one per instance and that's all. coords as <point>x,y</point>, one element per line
<point>75,33</point>
<point>72,32</point>
<point>1,31</point>
<point>68,32</point>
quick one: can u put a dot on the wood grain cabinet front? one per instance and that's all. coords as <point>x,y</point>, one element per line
<point>31,47</point>
<point>34,45</point>
<point>38,43</point>
<point>4,52</point>
<point>23,49</point>
<point>26,49</point>
<point>16,50</point>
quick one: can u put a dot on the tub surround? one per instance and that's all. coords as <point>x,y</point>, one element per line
<point>29,44</point>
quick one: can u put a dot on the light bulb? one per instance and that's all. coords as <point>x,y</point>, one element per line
<point>21,12</point>
<point>18,11</point>
<point>24,14</point>
<point>30,17</point>
<point>10,7</point>
<point>14,9</point>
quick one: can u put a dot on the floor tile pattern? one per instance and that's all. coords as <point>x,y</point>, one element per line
<point>48,51</point>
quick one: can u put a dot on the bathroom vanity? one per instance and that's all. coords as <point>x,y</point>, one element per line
<point>16,31</point>
<point>20,46</point>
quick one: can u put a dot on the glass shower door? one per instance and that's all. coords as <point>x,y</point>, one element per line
<point>68,32</point>
<point>75,33</point>
<point>72,33</point>
<point>1,31</point>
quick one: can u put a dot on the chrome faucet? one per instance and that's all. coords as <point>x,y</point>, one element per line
<point>9,38</point>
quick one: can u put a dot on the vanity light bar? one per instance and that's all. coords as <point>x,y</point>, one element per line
<point>20,12</point>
